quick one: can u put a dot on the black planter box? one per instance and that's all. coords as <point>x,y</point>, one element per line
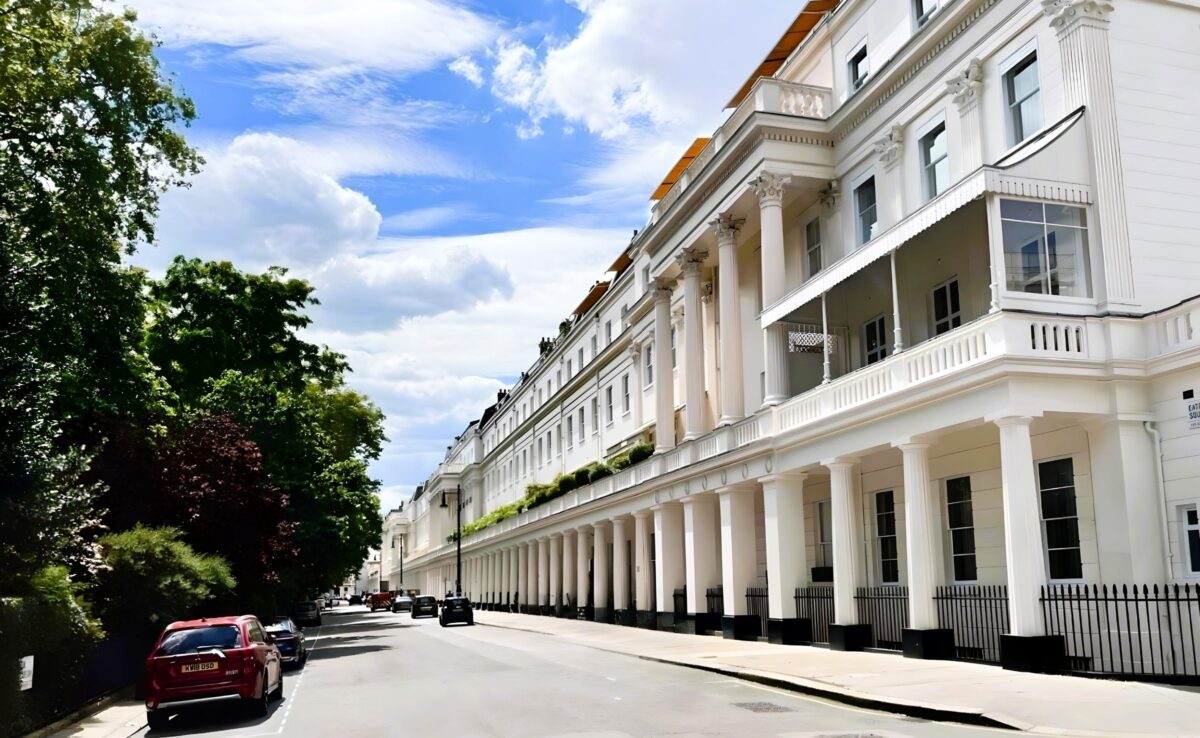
<point>602,615</point>
<point>627,618</point>
<point>686,624</point>
<point>1038,654</point>
<point>849,637</point>
<point>647,619</point>
<point>665,621</point>
<point>789,631</point>
<point>934,644</point>
<point>740,627</point>
<point>706,622</point>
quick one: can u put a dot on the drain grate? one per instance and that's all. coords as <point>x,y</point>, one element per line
<point>762,707</point>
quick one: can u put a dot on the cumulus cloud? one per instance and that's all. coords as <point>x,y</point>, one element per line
<point>423,219</point>
<point>465,67</point>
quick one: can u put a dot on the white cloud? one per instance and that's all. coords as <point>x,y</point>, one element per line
<point>465,67</point>
<point>423,219</point>
<point>401,37</point>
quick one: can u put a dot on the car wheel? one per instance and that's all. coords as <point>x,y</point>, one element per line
<point>470,621</point>
<point>157,720</point>
<point>442,622</point>
<point>260,706</point>
<point>303,659</point>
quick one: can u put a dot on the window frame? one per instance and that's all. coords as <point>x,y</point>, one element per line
<point>1037,464</point>
<point>920,20</point>
<point>928,165</point>
<point>894,535</point>
<point>648,366</point>
<point>1082,264</point>
<point>950,529</point>
<point>824,510</point>
<point>626,405</point>
<point>582,424</point>
<point>857,73</point>
<point>1014,130</point>
<point>608,402</point>
<point>595,415</point>
<point>952,315</point>
<point>810,247</point>
<point>862,231</point>
<point>1191,568</point>
<point>570,431</point>
<point>882,352</point>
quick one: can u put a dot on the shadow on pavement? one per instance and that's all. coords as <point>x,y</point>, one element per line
<point>207,720</point>
<point>334,631</point>
<point>333,652</point>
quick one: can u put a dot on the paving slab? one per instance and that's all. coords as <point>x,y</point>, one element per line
<point>972,693</point>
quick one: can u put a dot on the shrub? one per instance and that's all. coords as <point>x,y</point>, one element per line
<point>640,452</point>
<point>583,475</point>
<point>620,462</point>
<point>564,483</point>
<point>599,471</point>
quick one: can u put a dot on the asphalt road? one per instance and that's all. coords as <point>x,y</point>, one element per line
<point>386,674</point>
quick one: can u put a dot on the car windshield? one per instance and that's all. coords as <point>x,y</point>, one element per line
<point>199,639</point>
<point>281,625</point>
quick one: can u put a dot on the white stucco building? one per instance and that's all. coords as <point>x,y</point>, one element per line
<point>915,336</point>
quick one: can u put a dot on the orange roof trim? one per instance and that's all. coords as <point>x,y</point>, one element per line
<point>677,171</point>
<point>592,298</point>
<point>810,15</point>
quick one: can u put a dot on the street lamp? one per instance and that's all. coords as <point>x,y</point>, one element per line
<point>402,592</point>
<point>457,536</point>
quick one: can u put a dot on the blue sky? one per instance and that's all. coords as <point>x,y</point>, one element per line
<point>452,175</point>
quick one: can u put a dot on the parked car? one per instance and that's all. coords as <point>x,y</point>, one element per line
<point>289,639</point>
<point>354,600</point>
<point>402,603</point>
<point>456,610</point>
<point>424,606</point>
<point>212,660</point>
<point>322,603</point>
<point>307,613</point>
<point>380,601</point>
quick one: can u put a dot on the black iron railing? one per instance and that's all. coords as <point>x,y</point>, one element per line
<point>816,604</point>
<point>680,601</point>
<point>715,596</point>
<point>978,615</point>
<point>757,605</point>
<point>885,608</point>
<point>1147,632</point>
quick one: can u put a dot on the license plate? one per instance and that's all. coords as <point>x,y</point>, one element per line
<point>206,666</point>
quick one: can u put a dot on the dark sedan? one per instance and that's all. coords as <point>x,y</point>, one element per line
<point>289,639</point>
<point>456,610</point>
<point>424,606</point>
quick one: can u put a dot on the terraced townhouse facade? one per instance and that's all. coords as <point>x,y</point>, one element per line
<point>915,335</point>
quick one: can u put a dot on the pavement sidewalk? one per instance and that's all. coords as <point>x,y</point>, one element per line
<point>941,690</point>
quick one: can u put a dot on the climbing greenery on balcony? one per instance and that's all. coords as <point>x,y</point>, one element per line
<point>537,494</point>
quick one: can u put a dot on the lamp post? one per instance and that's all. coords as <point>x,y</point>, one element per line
<point>402,592</point>
<point>457,536</point>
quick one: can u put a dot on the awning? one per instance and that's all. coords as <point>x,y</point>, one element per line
<point>1051,166</point>
<point>810,15</point>
<point>677,171</point>
<point>622,261</point>
<point>593,295</point>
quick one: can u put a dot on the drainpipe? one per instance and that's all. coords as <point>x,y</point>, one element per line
<point>1168,557</point>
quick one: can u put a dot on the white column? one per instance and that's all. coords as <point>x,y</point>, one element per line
<point>514,585</point>
<point>569,544</point>
<point>555,572</point>
<point>846,519</point>
<point>693,346</point>
<point>1022,527</point>
<point>664,384</point>
<point>543,573</point>
<point>922,519</point>
<point>635,393</point>
<point>600,568</point>
<point>897,330</point>
<point>668,554</point>
<point>528,573</point>
<point>620,566</point>
<point>1088,81</point>
<point>643,523</point>
<point>825,377</point>
<point>583,549</point>
<point>700,534</point>
<point>787,555</point>
<point>737,545</point>
<point>965,88</point>
<point>732,393</point>
<point>769,187</point>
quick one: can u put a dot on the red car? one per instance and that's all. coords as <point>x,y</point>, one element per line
<point>198,662</point>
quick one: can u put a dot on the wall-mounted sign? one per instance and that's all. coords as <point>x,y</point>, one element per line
<point>26,673</point>
<point>1193,413</point>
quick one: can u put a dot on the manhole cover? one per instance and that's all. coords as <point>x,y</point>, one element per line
<point>762,707</point>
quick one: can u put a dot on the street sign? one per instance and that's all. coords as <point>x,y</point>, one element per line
<point>1193,413</point>
<point>26,673</point>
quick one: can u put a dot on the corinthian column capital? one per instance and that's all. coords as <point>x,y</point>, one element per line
<point>690,259</point>
<point>965,85</point>
<point>1064,14</point>
<point>726,228</point>
<point>769,187</point>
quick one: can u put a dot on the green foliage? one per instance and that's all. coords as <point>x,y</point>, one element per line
<point>564,483</point>
<point>154,578</point>
<point>619,462</point>
<point>352,424</point>
<point>583,475</point>
<point>598,472</point>
<point>640,452</point>
<point>504,512</point>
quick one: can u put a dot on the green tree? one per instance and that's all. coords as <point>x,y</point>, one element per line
<point>352,424</point>
<point>153,577</point>
<point>209,318</point>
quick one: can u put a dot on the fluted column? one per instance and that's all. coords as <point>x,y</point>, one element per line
<point>664,384</point>
<point>1022,527</point>
<point>555,600</point>
<point>522,576</point>
<point>643,524</point>
<point>569,546</point>
<point>769,187</point>
<point>583,584</point>
<point>600,573</point>
<point>693,346</point>
<point>732,393</point>
<point>922,521</point>
<point>846,519</point>
<point>668,556</point>
<point>738,550</point>
<point>543,569</point>
<point>532,554</point>
<point>635,392</point>
<point>514,585</point>
<point>965,89</point>
<point>1082,27</point>
<point>702,564</point>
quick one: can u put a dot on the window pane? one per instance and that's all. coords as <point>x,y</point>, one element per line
<point>940,304</point>
<point>1022,255</point>
<point>961,515</point>
<point>1192,517</point>
<point>1058,503</point>
<point>1030,113</point>
<point>1065,249</point>
<point>1066,215</point>
<point>964,569</point>
<point>1021,210</point>
<point>953,289</point>
<point>1057,473</point>
<point>1062,533</point>
<point>941,172</point>
<point>1066,564</point>
<point>958,489</point>
<point>963,540</point>
<point>890,571</point>
<point>1024,79</point>
<point>1193,540</point>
